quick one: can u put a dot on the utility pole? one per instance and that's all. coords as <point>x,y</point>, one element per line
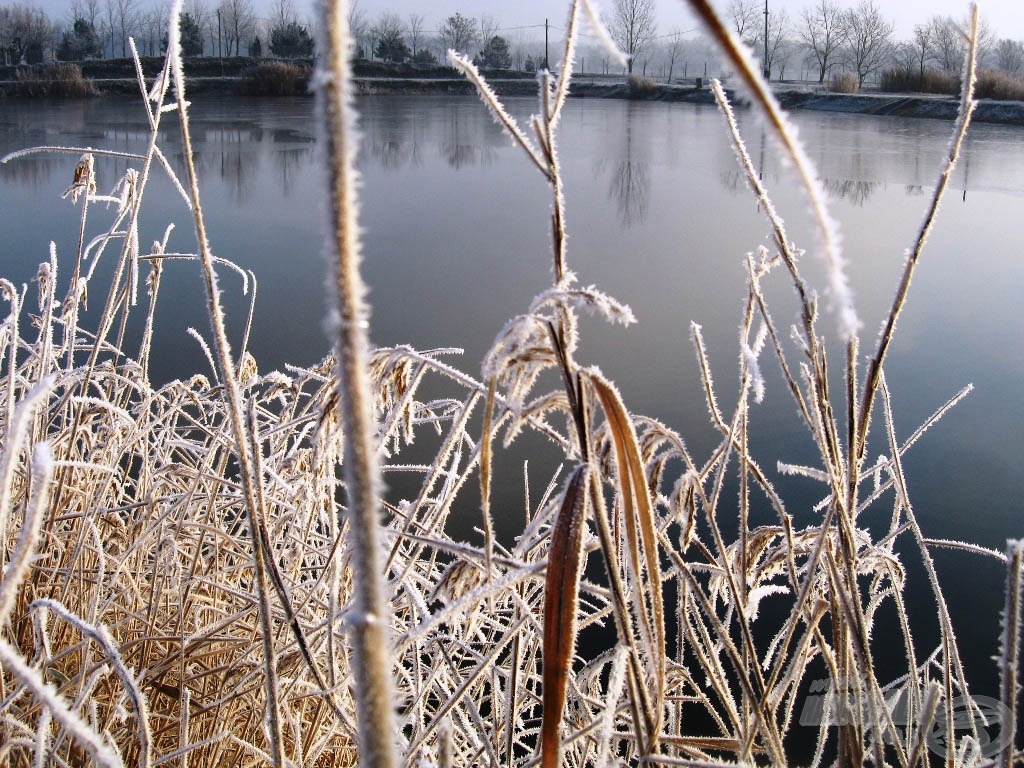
<point>220,44</point>
<point>546,65</point>
<point>767,69</point>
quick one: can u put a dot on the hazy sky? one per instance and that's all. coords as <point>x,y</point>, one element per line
<point>1005,16</point>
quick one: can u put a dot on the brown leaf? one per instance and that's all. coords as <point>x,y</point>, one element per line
<point>641,533</point>
<point>561,597</point>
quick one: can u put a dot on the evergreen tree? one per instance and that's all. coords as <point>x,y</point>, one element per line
<point>392,47</point>
<point>191,36</point>
<point>291,41</point>
<point>425,57</point>
<point>495,55</point>
<point>80,42</point>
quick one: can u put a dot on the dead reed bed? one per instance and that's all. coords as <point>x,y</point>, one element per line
<point>208,572</point>
<point>58,80</point>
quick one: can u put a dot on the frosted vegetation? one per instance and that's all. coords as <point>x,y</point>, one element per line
<point>209,573</point>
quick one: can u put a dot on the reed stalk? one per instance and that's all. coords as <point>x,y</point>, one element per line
<point>370,618</point>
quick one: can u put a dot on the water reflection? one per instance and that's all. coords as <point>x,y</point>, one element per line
<point>467,141</point>
<point>291,163</point>
<point>452,254</point>
<point>629,171</point>
<point>455,131</point>
<point>852,190</point>
<point>33,172</point>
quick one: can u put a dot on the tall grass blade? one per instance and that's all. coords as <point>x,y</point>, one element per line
<point>641,535</point>
<point>740,58</point>
<point>967,105</point>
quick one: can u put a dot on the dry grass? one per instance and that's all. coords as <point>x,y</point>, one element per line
<point>640,87</point>
<point>275,78</point>
<point>844,82</point>
<point>190,570</point>
<point>60,80</point>
<point>911,80</point>
<point>993,84</point>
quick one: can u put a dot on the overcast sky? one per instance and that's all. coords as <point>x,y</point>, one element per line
<point>1005,16</point>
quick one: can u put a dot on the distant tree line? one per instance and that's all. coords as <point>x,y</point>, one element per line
<point>827,38</point>
<point>98,29</point>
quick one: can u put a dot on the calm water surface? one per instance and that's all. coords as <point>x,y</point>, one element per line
<point>457,243</point>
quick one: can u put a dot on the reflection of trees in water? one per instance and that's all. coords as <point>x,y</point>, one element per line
<point>289,163</point>
<point>36,170</point>
<point>629,183</point>
<point>238,168</point>
<point>469,139</point>
<point>392,154</point>
<point>397,138</point>
<point>857,192</point>
<point>394,142</point>
<point>861,164</point>
<point>734,178</point>
<point>230,151</point>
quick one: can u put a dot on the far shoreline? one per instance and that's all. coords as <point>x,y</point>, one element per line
<point>233,78</point>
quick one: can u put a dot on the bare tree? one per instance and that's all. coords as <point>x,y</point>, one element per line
<point>632,25</point>
<point>783,54</point>
<point>674,48</point>
<point>1010,56</point>
<point>488,26</point>
<point>414,31</point>
<point>85,9</point>
<point>904,57</point>
<point>778,41</point>
<point>821,30</point>
<point>949,42</point>
<point>387,23</point>
<point>26,32</point>
<point>359,28</point>
<point>744,17</point>
<point>868,39</point>
<point>920,45</point>
<point>282,13</point>
<point>389,42</point>
<point>123,16</point>
<point>151,27</point>
<point>238,19</point>
<point>458,33</point>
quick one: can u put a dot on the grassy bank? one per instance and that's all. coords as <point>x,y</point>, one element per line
<point>210,572</point>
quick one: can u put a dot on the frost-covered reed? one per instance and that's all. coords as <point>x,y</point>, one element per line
<point>208,572</point>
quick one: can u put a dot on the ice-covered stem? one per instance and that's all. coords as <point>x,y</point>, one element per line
<point>1009,678</point>
<point>967,105</point>
<point>233,396</point>
<point>101,636</point>
<point>15,438</point>
<point>84,735</point>
<point>739,57</point>
<point>369,619</point>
